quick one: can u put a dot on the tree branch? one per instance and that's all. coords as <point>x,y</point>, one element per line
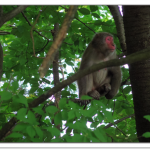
<point>85,24</point>
<point>122,54</point>
<point>119,25</point>
<point>4,33</point>
<point>55,67</point>
<point>80,21</point>
<point>1,12</point>
<point>31,32</point>
<point>13,13</point>
<point>7,127</point>
<point>126,82</point>
<point>135,57</point>
<point>116,122</point>
<point>58,41</point>
<point>31,25</point>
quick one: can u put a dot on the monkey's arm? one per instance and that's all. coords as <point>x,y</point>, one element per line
<point>115,73</point>
<point>85,83</point>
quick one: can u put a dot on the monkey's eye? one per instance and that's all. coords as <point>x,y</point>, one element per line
<point>108,39</point>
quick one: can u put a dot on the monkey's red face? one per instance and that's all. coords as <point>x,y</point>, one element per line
<point>110,43</point>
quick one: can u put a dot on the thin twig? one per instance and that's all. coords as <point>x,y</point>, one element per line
<point>31,33</point>
<point>116,122</point>
<point>79,20</point>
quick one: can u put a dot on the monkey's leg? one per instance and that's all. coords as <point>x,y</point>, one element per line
<point>104,89</point>
<point>100,91</point>
<point>85,85</point>
<point>95,94</point>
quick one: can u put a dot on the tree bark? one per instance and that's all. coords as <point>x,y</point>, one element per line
<point>1,61</point>
<point>58,41</point>
<point>55,67</point>
<point>136,22</point>
<point>10,15</point>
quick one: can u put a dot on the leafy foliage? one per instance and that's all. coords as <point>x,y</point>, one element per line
<point>21,83</point>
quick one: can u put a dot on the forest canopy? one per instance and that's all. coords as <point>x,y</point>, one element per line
<point>31,109</point>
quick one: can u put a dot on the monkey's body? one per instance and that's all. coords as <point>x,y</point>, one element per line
<point>105,81</point>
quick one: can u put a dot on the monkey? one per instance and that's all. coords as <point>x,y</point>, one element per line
<point>104,89</point>
<point>104,82</point>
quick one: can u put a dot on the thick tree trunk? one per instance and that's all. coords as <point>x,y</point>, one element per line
<point>137,31</point>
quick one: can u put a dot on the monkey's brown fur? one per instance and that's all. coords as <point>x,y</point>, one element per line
<point>105,81</point>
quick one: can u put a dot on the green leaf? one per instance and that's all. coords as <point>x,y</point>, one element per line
<point>76,43</point>
<point>69,63</point>
<point>36,140</point>
<point>78,114</point>
<point>99,103</point>
<point>51,109</point>
<point>34,81</point>
<point>129,111</point>
<point>20,127</point>
<point>147,117</point>
<point>31,117</point>
<point>39,110</point>
<point>146,135</point>
<point>15,86</point>
<point>14,135</point>
<point>2,118</point>
<point>23,100</point>
<point>109,116</point>
<point>6,95</point>
<point>71,115</point>
<point>95,15</point>
<point>86,97</point>
<point>127,89</point>
<point>100,117</point>
<point>81,44</point>
<point>39,132</point>
<point>65,93</point>
<point>54,131</point>
<point>46,81</point>
<point>5,85</point>
<point>33,89</point>
<point>21,29</point>
<point>84,11</point>
<point>31,131</point>
<point>72,86</point>
<point>94,125</point>
<point>94,139</point>
<point>22,60</point>
<point>62,103</point>
<point>20,99</point>
<point>72,104</point>
<point>64,114</point>
<point>21,113</point>
<point>99,135</point>
<point>77,138</point>
<point>57,118</point>
<point>97,22</point>
<point>118,107</point>
<point>93,8</point>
